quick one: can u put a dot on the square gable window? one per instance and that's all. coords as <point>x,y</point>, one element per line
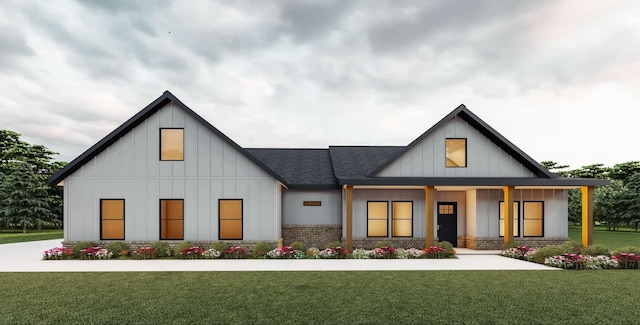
<point>456,153</point>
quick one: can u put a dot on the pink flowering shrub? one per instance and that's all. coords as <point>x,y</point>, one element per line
<point>573,261</point>
<point>57,253</point>
<point>385,252</point>
<point>334,252</point>
<point>95,253</point>
<point>521,252</point>
<point>235,252</point>
<point>436,252</point>
<point>192,253</point>
<point>284,252</point>
<point>628,260</point>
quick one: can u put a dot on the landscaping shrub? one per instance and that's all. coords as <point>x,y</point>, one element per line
<point>386,252</point>
<point>334,244</point>
<point>145,253</point>
<point>299,246</point>
<point>448,247</point>
<point>220,246</point>
<point>545,252</point>
<point>284,252</point>
<point>119,249</point>
<point>572,246</point>
<point>235,252</point>
<point>628,260</point>
<point>163,249</point>
<point>79,246</point>
<point>595,250</point>
<point>57,253</point>
<point>383,243</point>
<point>261,249</point>
<point>513,244</point>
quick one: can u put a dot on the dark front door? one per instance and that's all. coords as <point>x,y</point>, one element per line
<point>448,222</point>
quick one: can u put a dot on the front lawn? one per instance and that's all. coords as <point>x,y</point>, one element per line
<point>610,239</point>
<point>16,236</point>
<point>425,297</point>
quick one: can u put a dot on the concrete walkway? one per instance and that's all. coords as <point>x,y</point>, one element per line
<point>27,257</point>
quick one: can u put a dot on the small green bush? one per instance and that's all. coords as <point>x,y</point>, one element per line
<point>383,243</point>
<point>261,249</point>
<point>447,246</point>
<point>572,246</point>
<point>220,246</point>
<point>548,251</point>
<point>299,246</point>
<point>512,244</point>
<point>334,244</point>
<point>118,248</point>
<point>627,249</point>
<point>163,248</point>
<point>595,250</point>
<point>80,246</point>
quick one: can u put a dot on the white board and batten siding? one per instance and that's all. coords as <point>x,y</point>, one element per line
<point>484,158</point>
<point>555,211</point>
<point>131,169</point>
<point>328,213</point>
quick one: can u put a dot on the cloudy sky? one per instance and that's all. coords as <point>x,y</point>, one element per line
<point>560,79</point>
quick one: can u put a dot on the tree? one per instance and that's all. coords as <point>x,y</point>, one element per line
<point>554,167</point>
<point>24,170</point>
<point>24,197</point>
<point>590,171</point>
<point>624,171</point>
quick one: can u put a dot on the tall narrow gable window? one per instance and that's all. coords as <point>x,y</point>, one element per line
<point>377,219</point>
<point>230,216</point>
<point>112,219</point>
<point>171,144</point>
<point>533,219</point>
<point>172,219</point>
<point>402,219</point>
<point>456,153</point>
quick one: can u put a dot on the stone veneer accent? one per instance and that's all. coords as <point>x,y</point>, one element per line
<point>370,243</point>
<point>172,243</point>
<point>311,235</point>
<point>485,243</point>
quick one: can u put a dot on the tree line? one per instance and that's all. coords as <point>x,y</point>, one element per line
<point>26,199</point>
<point>614,206</point>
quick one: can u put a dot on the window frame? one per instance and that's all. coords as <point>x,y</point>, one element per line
<point>241,219</point>
<point>160,144</point>
<point>393,219</point>
<point>541,217</point>
<point>387,220</point>
<point>160,216</point>
<point>516,219</point>
<point>102,219</point>
<point>466,162</point>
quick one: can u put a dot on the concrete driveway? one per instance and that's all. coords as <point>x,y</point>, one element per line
<point>27,257</point>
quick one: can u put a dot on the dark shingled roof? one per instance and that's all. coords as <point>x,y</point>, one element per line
<point>301,168</point>
<point>359,161</point>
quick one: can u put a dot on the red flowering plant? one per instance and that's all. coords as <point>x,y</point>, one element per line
<point>435,252</point>
<point>284,252</point>
<point>192,252</point>
<point>628,260</point>
<point>235,252</point>
<point>57,253</point>
<point>145,253</point>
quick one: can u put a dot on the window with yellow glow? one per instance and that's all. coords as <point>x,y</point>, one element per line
<point>377,219</point>
<point>516,219</point>
<point>402,219</point>
<point>171,144</point>
<point>171,219</point>
<point>533,219</point>
<point>230,212</point>
<point>456,153</point>
<point>112,219</point>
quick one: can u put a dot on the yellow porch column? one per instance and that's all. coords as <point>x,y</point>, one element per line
<point>508,213</point>
<point>349,207</point>
<point>587,215</point>
<point>429,193</point>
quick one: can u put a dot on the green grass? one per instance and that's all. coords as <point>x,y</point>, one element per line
<point>610,239</point>
<point>16,236</point>
<point>406,297</point>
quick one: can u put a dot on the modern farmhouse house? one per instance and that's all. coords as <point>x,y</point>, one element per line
<point>168,174</point>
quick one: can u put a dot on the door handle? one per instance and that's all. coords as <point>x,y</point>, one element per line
<point>438,227</point>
